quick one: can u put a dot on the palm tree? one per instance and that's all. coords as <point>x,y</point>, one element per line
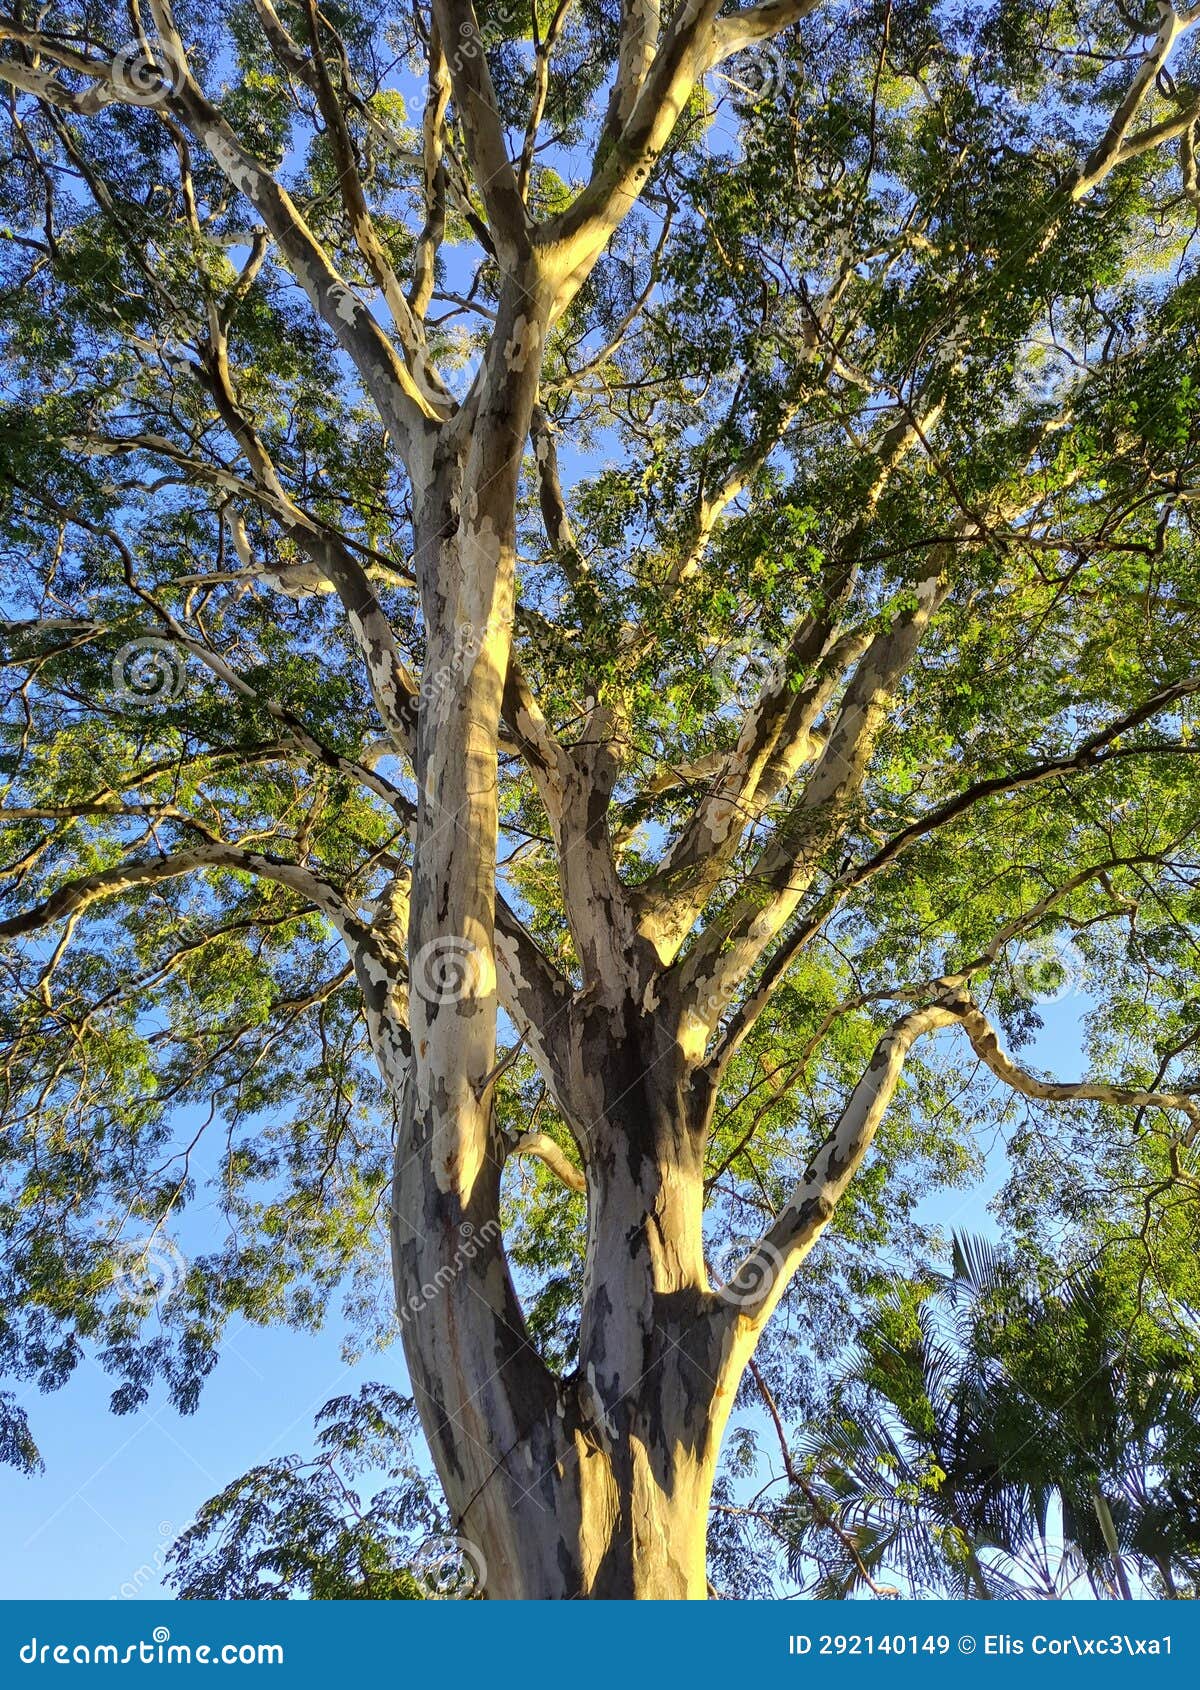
<point>980,1419</point>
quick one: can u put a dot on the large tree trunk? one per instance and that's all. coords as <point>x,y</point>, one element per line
<point>596,1485</point>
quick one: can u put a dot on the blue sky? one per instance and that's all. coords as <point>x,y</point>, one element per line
<point>116,1490</point>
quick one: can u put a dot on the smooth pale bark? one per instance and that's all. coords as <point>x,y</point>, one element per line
<point>595,1485</point>
<point>598,1485</point>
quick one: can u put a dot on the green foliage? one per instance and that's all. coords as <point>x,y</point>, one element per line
<point>988,1416</point>
<point>882,235</point>
<point>295,1528</point>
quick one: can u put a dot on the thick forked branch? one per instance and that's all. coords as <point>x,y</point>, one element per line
<point>1096,750</point>
<point>475,99</point>
<point>776,737</point>
<point>815,1196</point>
<point>574,240</point>
<point>687,48</point>
<point>1116,146</point>
<point>728,949</point>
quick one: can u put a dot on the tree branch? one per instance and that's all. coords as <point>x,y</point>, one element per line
<point>475,100</point>
<point>816,1194</point>
<point>1090,754</point>
<point>76,896</point>
<point>543,1147</point>
<point>986,1045</point>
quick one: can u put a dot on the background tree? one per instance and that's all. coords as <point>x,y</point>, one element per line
<point>994,1439</point>
<point>581,582</point>
<point>295,1528</point>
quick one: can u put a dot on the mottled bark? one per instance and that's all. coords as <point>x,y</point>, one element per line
<point>595,1485</point>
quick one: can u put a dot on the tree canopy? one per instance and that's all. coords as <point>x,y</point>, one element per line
<point>573,563</point>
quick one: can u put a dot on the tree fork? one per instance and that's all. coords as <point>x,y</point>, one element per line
<point>594,1486</point>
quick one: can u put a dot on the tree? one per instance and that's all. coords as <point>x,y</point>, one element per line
<point>975,1408</point>
<point>295,1528</point>
<point>656,588</point>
